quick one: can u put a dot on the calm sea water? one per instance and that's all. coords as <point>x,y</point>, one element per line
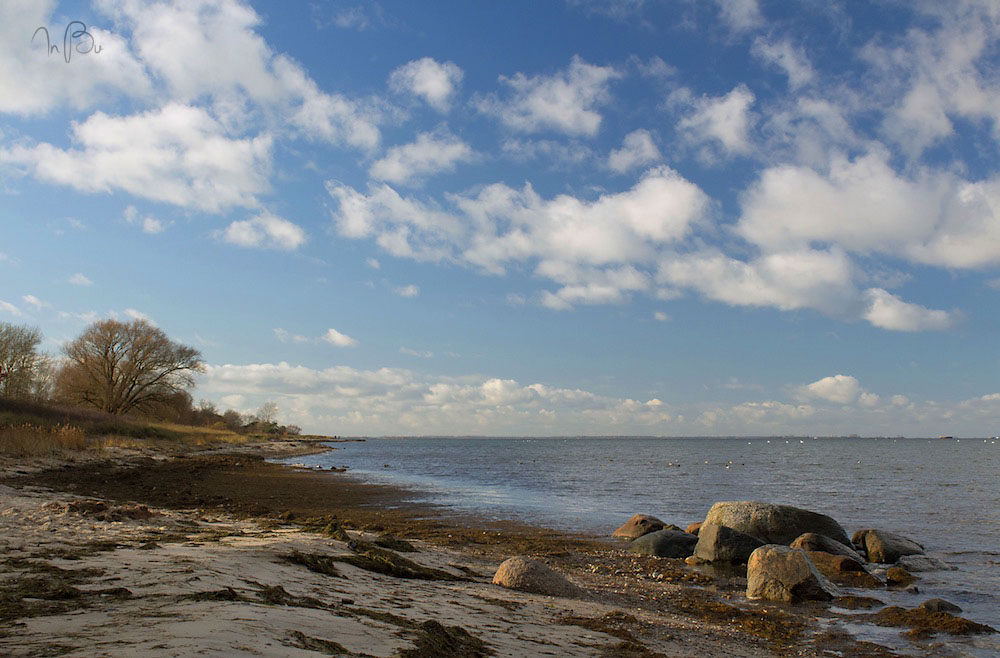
<point>943,493</point>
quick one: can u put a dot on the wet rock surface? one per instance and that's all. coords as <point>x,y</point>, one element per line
<point>718,543</point>
<point>811,541</point>
<point>884,547</point>
<point>781,573</point>
<point>775,524</point>
<point>842,570</point>
<point>664,543</point>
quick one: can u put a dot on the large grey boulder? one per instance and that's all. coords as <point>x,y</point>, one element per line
<point>637,526</point>
<point>885,547</point>
<point>782,573</point>
<point>810,541</point>
<point>718,543</point>
<point>664,543</point>
<point>774,524</point>
<point>527,575</point>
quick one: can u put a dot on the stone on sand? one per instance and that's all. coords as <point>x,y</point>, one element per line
<point>526,575</point>
<point>637,526</point>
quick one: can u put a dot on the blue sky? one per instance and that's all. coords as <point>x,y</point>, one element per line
<point>669,217</point>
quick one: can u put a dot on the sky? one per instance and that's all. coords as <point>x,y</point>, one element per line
<point>578,217</point>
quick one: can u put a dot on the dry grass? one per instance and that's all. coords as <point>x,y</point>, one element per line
<point>33,429</point>
<point>37,441</point>
<point>183,438</point>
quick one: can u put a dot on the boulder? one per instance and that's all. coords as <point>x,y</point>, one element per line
<point>916,563</point>
<point>898,577</point>
<point>884,547</point>
<point>782,573</point>
<point>776,524</point>
<point>693,527</point>
<point>527,575</point>
<point>718,543</point>
<point>939,605</point>
<point>810,541</point>
<point>843,570</point>
<point>664,543</point>
<point>637,526</point>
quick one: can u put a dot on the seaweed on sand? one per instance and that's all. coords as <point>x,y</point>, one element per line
<point>924,623</point>
<point>437,641</point>
<point>379,560</point>
<point>371,558</point>
<point>276,595</point>
<point>627,649</point>
<point>769,623</point>
<point>315,562</point>
<point>616,624</point>
<point>388,541</point>
<point>46,589</point>
<point>327,647</point>
<point>224,594</point>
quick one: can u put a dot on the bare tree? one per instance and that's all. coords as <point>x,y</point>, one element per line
<point>19,359</point>
<point>268,413</point>
<point>43,382</point>
<point>233,420</point>
<point>120,367</point>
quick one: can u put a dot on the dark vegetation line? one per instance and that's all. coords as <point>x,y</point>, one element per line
<point>116,379</point>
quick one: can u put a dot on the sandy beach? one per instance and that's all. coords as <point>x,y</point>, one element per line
<point>224,553</point>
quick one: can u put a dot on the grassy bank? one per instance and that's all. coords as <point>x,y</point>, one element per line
<point>40,429</point>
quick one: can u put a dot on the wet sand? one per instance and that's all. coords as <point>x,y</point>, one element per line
<point>224,553</point>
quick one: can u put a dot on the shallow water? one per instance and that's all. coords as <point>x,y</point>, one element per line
<point>943,493</point>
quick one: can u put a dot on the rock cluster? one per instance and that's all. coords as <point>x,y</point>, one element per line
<point>791,554</point>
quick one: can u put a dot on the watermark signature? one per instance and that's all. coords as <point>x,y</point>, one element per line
<point>75,37</point>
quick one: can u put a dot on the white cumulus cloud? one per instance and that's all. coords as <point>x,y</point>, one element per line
<point>338,339</point>
<point>566,102</point>
<point>841,389</point>
<point>178,154</point>
<point>265,231</point>
<point>890,312</point>
<point>723,121</point>
<point>638,149</point>
<point>430,154</point>
<point>435,82</point>
<point>594,248</point>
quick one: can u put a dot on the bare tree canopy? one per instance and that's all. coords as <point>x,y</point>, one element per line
<point>19,359</point>
<point>268,413</point>
<point>120,367</point>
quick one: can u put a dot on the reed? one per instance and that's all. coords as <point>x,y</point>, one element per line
<point>26,439</point>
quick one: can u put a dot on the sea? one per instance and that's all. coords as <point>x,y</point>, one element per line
<point>942,492</point>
